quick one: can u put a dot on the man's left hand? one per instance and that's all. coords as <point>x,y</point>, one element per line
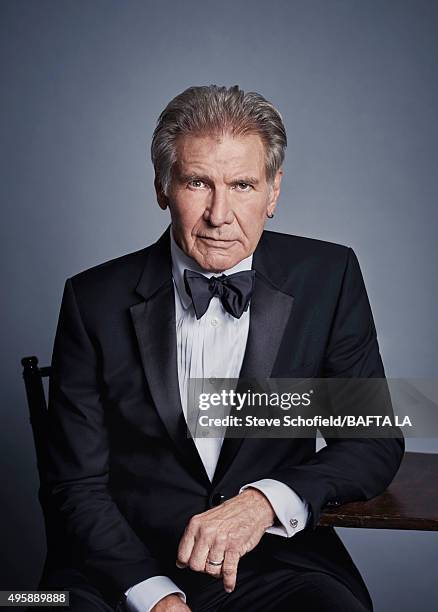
<point>224,534</point>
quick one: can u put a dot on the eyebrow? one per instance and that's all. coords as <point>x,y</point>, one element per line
<point>251,180</point>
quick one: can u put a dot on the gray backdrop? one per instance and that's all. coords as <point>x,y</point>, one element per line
<point>82,84</point>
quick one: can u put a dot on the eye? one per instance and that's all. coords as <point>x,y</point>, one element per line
<point>243,186</point>
<point>196,183</point>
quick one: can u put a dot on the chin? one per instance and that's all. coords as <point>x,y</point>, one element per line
<point>217,263</point>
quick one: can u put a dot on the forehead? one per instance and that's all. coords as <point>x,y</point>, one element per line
<point>220,152</point>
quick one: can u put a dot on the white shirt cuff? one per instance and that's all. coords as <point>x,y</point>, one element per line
<point>291,510</point>
<point>143,596</point>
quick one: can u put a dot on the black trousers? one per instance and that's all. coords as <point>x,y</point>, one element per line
<point>272,586</point>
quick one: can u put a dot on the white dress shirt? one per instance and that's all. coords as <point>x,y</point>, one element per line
<point>213,347</point>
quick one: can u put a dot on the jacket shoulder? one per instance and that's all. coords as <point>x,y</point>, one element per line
<point>293,262</point>
<point>303,247</point>
<point>110,278</point>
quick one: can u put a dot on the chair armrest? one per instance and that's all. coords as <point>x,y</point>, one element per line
<point>410,501</point>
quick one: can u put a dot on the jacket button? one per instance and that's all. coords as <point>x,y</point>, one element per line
<point>334,502</point>
<point>217,499</point>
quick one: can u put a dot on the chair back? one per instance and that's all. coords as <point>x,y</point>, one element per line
<point>57,553</point>
<point>36,400</point>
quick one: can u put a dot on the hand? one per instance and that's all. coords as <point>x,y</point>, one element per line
<point>171,603</point>
<point>225,532</point>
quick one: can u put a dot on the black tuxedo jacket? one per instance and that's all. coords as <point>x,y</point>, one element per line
<point>122,472</point>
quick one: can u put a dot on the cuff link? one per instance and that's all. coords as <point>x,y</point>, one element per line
<point>293,523</point>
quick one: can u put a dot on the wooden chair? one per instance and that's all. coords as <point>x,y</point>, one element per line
<point>56,557</point>
<point>410,502</point>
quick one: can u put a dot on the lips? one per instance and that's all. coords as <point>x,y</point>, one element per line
<point>216,239</point>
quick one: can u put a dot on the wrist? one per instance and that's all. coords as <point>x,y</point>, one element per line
<point>167,600</point>
<point>265,511</point>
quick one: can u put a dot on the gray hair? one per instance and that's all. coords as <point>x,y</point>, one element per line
<point>210,110</point>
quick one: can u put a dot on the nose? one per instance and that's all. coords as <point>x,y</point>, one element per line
<point>219,211</point>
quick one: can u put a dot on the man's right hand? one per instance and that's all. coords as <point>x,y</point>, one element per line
<point>171,603</point>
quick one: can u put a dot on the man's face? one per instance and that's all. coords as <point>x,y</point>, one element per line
<point>219,198</point>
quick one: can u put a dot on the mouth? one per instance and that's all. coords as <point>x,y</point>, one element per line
<point>216,241</point>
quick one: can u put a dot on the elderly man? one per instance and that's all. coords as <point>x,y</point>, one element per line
<point>156,519</point>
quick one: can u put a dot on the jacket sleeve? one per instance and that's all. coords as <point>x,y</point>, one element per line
<point>348,469</point>
<point>102,543</point>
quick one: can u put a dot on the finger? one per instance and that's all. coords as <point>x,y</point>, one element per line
<point>186,544</point>
<point>229,569</point>
<point>198,557</point>
<point>216,553</point>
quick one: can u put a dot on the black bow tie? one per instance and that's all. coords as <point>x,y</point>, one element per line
<point>234,291</point>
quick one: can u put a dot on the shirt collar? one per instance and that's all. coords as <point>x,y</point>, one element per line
<point>181,261</point>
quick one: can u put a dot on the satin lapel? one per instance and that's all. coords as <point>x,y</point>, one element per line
<point>270,311</point>
<point>154,323</point>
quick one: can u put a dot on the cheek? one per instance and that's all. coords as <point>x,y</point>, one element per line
<point>252,221</point>
<point>185,215</point>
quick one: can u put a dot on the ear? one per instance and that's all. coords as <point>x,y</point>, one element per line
<point>162,199</point>
<point>275,192</point>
